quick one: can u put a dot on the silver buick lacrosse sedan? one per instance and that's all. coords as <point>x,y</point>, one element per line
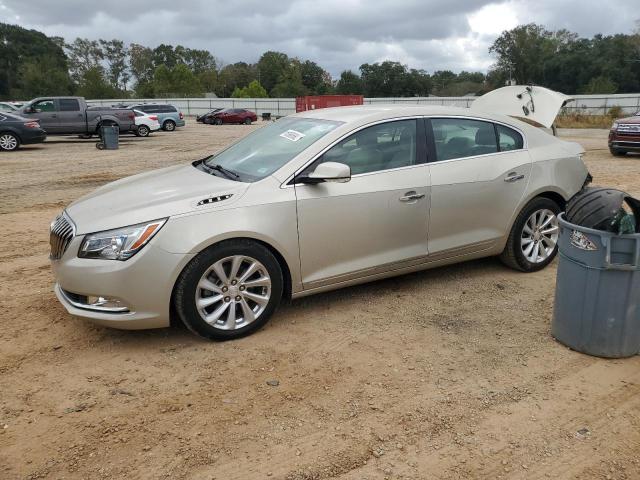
<point>313,202</point>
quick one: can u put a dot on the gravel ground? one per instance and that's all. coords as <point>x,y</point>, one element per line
<point>450,373</point>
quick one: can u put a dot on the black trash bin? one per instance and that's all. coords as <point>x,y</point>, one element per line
<point>109,137</point>
<point>266,116</point>
<point>597,303</point>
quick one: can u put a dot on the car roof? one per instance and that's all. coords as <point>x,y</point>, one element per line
<point>362,114</point>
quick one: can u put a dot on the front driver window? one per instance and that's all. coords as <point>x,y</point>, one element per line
<point>380,147</point>
<point>44,106</point>
<point>460,137</point>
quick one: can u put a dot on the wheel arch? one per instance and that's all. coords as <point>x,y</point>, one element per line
<point>549,193</point>
<point>284,265</point>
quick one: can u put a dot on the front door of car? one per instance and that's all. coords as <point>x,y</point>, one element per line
<point>46,112</point>
<point>479,177</point>
<point>378,220</point>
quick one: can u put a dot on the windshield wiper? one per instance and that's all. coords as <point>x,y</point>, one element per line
<point>221,169</point>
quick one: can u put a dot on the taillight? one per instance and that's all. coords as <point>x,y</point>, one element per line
<point>181,116</point>
<point>153,117</point>
<point>132,116</point>
<point>32,125</point>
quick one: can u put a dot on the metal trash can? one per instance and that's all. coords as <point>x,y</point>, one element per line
<point>109,137</point>
<point>597,304</point>
<point>266,116</point>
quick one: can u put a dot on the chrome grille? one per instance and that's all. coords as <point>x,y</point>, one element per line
<point>62,232</point>
<point>629,128</point>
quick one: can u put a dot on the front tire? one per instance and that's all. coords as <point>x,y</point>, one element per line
<point>617,153</point>
<point>169,126</point>
<point>247,121</point>
<point>217,121</point>
<point>229,290</point>
<point>9,142</point>
<point>533,240</point>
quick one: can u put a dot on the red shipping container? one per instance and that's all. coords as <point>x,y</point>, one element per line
<point>313,102</point>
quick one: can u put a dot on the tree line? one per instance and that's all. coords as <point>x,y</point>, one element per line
<point>32,64</point>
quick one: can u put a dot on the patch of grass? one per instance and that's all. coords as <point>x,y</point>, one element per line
<point>580,120</point>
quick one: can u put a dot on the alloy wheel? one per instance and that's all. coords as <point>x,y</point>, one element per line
<point>233,292</point>
<point>8,142</point>
<point>539,236</point>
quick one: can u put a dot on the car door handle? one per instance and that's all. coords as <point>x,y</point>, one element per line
<point>513,177</point>
<point>411,196</point>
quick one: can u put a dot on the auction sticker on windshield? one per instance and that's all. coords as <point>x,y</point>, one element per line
<point>292,135</point>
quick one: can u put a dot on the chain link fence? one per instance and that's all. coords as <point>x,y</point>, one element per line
<point>585,104</point>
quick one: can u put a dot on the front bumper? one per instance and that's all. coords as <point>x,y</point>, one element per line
<point>624,141</point>
<point>143,283</point>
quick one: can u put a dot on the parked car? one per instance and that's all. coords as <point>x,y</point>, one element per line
<point>168,115</point>
<point>71,115</point>
<point>624,135</point>
<point>208,117</point>
<point>8,107</point>
<point>234,115</point>
<point>146,123</point>
<point>16,131</point>
<point>315,201</point>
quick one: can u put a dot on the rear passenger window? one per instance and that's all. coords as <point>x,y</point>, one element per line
<point>460,137</point>
<point>167,109</point>
<point>69,105</point>
<point>509,139</point>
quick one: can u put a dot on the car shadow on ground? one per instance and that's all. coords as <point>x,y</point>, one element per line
<point>307,308</point>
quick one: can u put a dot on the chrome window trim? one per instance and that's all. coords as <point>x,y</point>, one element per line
<point>285,184</point>
<point>525,144</point>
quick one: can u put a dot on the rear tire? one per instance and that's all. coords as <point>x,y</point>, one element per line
<point>217,121</point>
<point>527,233</point>
<point>247,121</point>
<point>143,131</point>
<point>169,126</point>
<point>9,142</point>
<point>209,288</point>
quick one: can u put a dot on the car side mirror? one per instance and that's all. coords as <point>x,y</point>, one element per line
<point>329,172</point>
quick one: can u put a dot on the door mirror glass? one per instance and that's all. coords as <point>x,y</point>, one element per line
<point>329,172</point>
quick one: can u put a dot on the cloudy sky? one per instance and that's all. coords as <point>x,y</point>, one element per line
<point>338,34</point>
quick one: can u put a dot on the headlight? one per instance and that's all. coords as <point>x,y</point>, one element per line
<point>120,243</point>
<point>614,126</point>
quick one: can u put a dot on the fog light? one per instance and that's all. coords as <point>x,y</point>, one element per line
<point>106,303</point>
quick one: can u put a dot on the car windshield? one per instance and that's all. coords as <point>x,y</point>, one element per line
<point>264,151</point>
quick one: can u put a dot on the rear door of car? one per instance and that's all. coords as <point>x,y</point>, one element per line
<point>71,118</point>
<point>377,221</point>
<point>479,175</point>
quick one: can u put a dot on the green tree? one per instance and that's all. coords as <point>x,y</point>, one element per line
<point>315,79</point>
<point>93,85</point>
<point>290,83</point>
<point>349,83</point>
<point>271,68</point>
<point>28,56</point>
<point>600,85</point>
<point>116,55</point>
<point>40,77</point>
<point>237,75</point>
<point>253,90</point>
<point>84,55</point>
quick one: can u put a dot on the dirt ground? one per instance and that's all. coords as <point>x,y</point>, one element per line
<point>445,374</point>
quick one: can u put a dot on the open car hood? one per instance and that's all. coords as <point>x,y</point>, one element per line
<point>538,104</point>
